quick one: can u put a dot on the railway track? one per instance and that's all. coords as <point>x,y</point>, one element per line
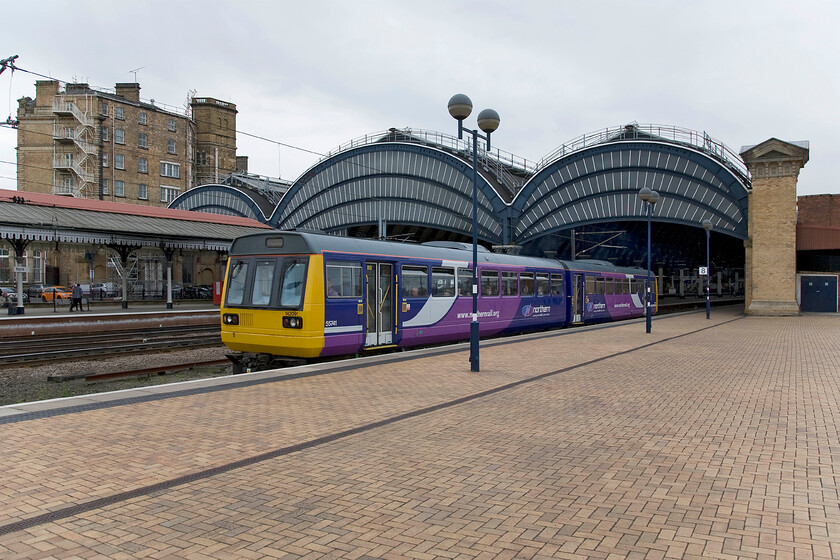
<point>104,345</point>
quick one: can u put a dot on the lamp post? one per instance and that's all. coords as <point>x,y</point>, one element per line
<point>707,225</point>
<point>460,107</point>
<point>650,198</point>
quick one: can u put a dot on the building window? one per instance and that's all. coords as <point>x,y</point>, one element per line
<point>142,118</point>
<point>104,133</point>
<point>201,158</point>
<point>119,136</point>
<point>170,147</point>
<point>119,161</point>
<point>168,194</point>
<point>37,267</point>
<point>104,159</point>
<point>69,132</point>
<point>105,109</point>
<point>142,165</point>
<point>119,188</point>
<point>104,186</point>
<point>5,267</point>
<point>170,170</point>
<point>68,159</point>
<point>171,125</point>
<point>119,114</point>
<point>142,191</point>
<point>142,140</point>
<point>68,182</point>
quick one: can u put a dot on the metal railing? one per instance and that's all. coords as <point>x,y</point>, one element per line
<point>671,134</point>
<point>60,105</point>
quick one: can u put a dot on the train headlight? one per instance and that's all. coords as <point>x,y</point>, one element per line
<point>292,322</point>
<point>230,319</point>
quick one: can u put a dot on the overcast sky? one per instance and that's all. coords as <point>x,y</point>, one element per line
<point>317,74</point>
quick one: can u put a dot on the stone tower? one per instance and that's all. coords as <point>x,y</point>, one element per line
<point>771,244</point>
<point>215,139</point>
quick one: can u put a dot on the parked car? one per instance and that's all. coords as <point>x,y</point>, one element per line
<point>102,289</point>
<point>9,295</point>
<point>34,290</point>
<point>57,292</point>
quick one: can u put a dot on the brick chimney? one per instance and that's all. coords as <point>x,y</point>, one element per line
<point>129,91</point>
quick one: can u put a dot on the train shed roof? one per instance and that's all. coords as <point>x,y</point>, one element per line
<point>42,217</point>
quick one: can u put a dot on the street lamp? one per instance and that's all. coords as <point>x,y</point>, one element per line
<point>460,108</point>
<point>707,225</point>
<point>650,198</point>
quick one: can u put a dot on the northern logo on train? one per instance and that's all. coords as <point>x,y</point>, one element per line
<point>527,310</point>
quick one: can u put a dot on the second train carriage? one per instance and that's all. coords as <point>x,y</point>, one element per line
<point>308,295</point>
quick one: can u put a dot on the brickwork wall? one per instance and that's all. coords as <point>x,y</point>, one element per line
<point>819,210</point>
<point>770,248</point>
<point>772,215</point>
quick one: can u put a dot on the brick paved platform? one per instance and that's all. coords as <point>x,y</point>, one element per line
<point>705,439</point>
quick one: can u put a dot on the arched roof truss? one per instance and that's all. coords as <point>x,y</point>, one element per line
<point>219,199</point>
<point>601,184</point>
<point>399,182</point>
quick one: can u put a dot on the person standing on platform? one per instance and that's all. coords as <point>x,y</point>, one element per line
<point>77,297</point>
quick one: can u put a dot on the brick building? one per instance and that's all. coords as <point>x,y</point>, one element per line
<point>88,143</point>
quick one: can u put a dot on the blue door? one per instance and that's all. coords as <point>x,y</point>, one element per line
<point>819,293</point>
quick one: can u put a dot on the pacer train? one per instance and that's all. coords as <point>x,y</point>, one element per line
<point>308,295</point>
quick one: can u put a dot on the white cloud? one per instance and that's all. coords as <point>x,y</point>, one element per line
<point>317,74</point>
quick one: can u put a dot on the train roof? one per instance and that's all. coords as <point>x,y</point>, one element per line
<point>298,242</point>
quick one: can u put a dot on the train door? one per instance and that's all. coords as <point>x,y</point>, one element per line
<point>379,279</point>
<point>577,299</point>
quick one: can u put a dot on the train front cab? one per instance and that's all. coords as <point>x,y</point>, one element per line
<point>272,305</point>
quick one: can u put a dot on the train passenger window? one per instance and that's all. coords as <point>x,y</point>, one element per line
<point>443,282</point>
<point>599,285</point>
<point>415,281</point>
<point>236,282</point>
<point>509,287</point>
<point>294,278</point>
<point>557,284</point>
<point>344,279</point>
<point>542,284</point>
<point>526,283</point>
<point>464,282</point>
<point>489,283</point>
<point>590,284</point>
<point>621,287</point>
<point>608,286</point>
<point>263,279</point>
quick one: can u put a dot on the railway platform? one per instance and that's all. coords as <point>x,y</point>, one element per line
<point>713,438</point>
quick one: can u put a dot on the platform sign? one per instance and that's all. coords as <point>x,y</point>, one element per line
<point>21,268</point>
<point>704,271</point>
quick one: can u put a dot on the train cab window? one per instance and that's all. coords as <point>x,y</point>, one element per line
<point>236,282</point>
<point>542,284</point>
<point>526,283</point>
<point>344,279</point>
<point>263,279</point>
<point>489,283</point>
<point>509,287</point>
<point>557,284</point>
<point>443,282</point>
<point>464,282</point>
<point>590,284</point>
<point>294,278</point>
<point>415,281</point>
